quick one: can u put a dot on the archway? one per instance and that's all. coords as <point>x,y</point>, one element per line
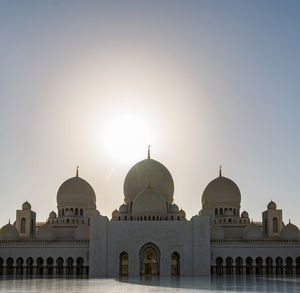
<point>279,266</point>
<point>175,264</point>
<point>29,266</point>
<point>239,265</point>
<point>69,269</point>
<point>20,262</point>
<point>289,266</point>
<point>249,267</point>
<point>1,266</point>
<point>259,266</point>
<point>229,266</point>
<point>269,266</point>
<point>124,264</point>
<point>10,266</point>
<point>79,266</point>
<point>149,260</point>
<point>49,262</point>
<point>59,266</point>
<point>39,266</point>
<point>219,266</point>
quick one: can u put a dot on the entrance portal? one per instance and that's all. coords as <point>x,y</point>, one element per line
<point>149,258</point>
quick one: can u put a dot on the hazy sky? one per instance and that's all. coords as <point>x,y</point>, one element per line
<point>211,82</point>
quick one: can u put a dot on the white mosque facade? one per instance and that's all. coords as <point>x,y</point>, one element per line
<point>149,234</point>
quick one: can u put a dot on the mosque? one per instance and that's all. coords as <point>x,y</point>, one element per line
<point>149,234</point>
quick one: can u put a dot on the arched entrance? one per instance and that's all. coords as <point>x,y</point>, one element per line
<point>149,260</point>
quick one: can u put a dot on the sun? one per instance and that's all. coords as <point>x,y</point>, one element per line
<point>126,137</point>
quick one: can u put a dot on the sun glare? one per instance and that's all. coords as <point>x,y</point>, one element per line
<point>126,138</point>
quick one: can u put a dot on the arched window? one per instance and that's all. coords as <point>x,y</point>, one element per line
<point>20,262</point>
<point>81,212</point>
<point>229,266</point>
<point>275,225</point>
<point>76,211</point>
<point>216,212</point>
<point>289,266</point>
<point>29,266</point>
<point>219,266</point>
<point>259,266</point>
<point>175,264</point>
<point>279,267</point>
<point>239,265</point>
<point>123,264</point>
<point>49,262</point>
<point>269,266</point>
<point>23,225</point>
<point>221,211</point>
<point>59,266</point>
<point>70,262</point>
<point>79,266</point>
<point>39,266</point>
<point>249,267</point>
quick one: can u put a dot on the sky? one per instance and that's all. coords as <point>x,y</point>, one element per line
<point>206,83</point>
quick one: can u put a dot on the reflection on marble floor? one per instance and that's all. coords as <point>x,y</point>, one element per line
<point>158,284</point>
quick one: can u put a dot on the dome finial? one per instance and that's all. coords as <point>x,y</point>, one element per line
<point>289,221</point>
<point>8,221</point>
<point>220,171</point>
<point>148,157</point>
<point>77,171</point>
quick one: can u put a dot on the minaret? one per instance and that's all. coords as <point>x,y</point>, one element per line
<point>148,157</point>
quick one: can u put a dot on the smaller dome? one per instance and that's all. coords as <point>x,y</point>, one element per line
<point>52,215</point>
<point>9,232</point>
<point>149,203</point>
<point>45,233</point>
<point>123,208</point>
<point>182,213</point>
<point>76,191</point>
<point>217,232</point>
<point>68,213</point>
<point>289,232</point>
<point>271,205</point>
<point>115,214</point>
<point>244,215</point>
<point>252,232</point>
<point>82,232</point>
<point>26,206</point>
<point>174,208</point>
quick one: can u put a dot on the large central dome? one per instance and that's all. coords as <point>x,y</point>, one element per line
<point>148,170</point>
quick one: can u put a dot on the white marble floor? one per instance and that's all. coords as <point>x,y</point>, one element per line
<point>183,284</point>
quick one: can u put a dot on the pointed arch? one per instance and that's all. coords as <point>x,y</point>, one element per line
<point>149,259</point>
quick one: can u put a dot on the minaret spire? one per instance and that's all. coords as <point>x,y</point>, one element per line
<point>148,157</point>
<point>220,171</point>
<point>77,171</point>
